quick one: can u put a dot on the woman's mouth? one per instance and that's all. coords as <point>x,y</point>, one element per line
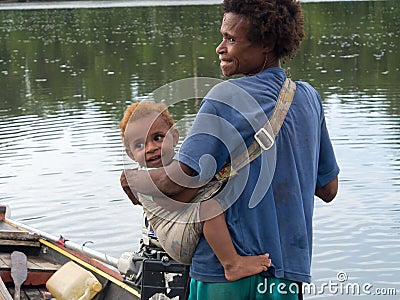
<point>226,66</point>
<point>224,61</point>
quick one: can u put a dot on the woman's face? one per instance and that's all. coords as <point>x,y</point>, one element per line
<point>236,53</point>
<point>150,141</point>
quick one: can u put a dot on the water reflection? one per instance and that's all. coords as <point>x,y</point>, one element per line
<point>102,4</point>
<point>67,75</point>
<point>118,54</point>
<point>99,52</point>
<point>34,5</point>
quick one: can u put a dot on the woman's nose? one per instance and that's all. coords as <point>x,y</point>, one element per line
<point>151,146</point>
<point>220,48</point>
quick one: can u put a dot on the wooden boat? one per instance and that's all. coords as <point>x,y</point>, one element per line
<point>146,274</point>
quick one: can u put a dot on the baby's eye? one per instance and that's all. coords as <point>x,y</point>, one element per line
<point>139,145</point>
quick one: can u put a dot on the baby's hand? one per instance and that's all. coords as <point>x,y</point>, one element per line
<point>127,189</point>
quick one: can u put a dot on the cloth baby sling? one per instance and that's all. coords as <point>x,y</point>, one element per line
<point>178,229</point>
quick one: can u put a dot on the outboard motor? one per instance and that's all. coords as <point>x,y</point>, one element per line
<point>153,271</point>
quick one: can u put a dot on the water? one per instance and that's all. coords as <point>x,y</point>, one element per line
<point>68,74</point>
<point>121,3</point>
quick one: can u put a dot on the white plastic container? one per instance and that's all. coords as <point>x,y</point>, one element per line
<point>72,282</point>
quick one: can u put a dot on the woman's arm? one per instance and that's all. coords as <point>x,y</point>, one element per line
<point>174,181</point>
<point>328,192</point>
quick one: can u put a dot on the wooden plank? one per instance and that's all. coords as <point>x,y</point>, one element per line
<point>34,278</point>
<point>15,234</point>
<point>18,235</point>
<point>19,243</point>
<point>18,238</point>
<point>6,261</point>
<point>4,293</point>
<point>39,269</point>
<point>33,294</point>
<point>3,264</point>
<point>11,289</point>
<point>35,263</point>
<point>40,264</point>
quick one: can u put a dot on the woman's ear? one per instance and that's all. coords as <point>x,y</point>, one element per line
<point>175,136</point>
<point>268,47</point>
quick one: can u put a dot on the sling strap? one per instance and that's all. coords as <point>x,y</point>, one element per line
<point>264,138</point>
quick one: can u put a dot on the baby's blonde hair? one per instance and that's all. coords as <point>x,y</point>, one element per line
<point>142,109</point>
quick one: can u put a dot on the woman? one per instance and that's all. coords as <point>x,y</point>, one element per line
<point>256,36</point>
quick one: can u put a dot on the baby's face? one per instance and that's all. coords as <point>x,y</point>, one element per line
<point>151,141</point>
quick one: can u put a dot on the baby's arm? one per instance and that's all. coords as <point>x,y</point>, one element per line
<point>125,186</point>
<point>217,235</point>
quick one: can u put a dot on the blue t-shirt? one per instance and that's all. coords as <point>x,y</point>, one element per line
<point>270,202</point>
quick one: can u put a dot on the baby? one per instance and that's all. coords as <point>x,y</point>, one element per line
<point>149,137</point>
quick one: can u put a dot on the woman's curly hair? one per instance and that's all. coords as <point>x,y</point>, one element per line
<point>272,21</point>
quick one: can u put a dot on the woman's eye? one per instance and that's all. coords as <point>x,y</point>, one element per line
<point>229,39</point>
<point>158,138</point>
